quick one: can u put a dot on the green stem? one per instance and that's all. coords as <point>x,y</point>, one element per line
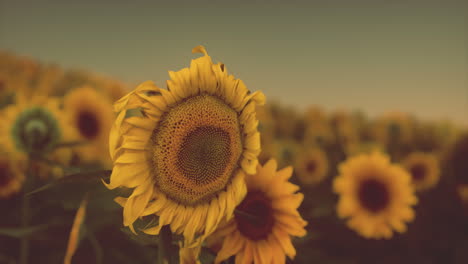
<point>97,247</point>
<point>24,244</point>
<point>165,242</point>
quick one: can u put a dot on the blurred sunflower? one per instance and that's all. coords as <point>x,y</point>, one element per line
<point>393,127</point>
<point>311,166</point>
<point>345,128</point>
<point>266,123</point>
<point>318,134</point>
<point>92,117</point>
<point>11,175</point>
<point>264,222</point>
<point>456,159</point>
<point>187,149</point>
<point>286,151</point>
<point>423,168</point>
<point>33,126</point>
<point>375,195</point>
<point>9,85</point>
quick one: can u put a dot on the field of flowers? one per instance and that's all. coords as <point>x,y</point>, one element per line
<point>208,170</point>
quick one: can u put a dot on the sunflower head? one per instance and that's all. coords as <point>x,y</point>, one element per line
<point>34,128</point>
<point>91,116</point>
<point>186,149</point>
<point>264,222</point>
<point>311,166</point>
<point>424,170</point>
<point>374,195</point>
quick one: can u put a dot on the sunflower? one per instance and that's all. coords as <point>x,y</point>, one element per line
<point>286,151</point>
<point>264,222</point>
<point>375,195</point>
<point>423,168</point>
<point>311,166</point>
<point>186,149</point>
<point>11,175</point>
<point>393,127</point>
<point>318,134</point>
<point>33,126</point>
<point>92,117</point>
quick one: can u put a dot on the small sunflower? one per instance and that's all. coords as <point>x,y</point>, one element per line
<point>318,134</point>
<point>393,127</point>
<point>264,222</point>
<point>423,168</point>
<point>11,176</point>
<point>286,151</point>
<point>374,195</point>
<point>186,149</point>
<point>33,126</point>
<point>311,166</point>
<point>92,116</point>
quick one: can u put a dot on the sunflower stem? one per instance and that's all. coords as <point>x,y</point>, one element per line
<point>165,242</point>
<point>25,215</point>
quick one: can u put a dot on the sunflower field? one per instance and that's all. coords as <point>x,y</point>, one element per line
<point>207,170</point>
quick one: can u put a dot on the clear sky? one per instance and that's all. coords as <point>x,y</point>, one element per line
<point>375,55</point>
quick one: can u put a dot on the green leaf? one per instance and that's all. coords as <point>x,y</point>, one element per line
<point>20,232</point>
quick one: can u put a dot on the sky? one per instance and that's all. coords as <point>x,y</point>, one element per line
<point>375,56</point>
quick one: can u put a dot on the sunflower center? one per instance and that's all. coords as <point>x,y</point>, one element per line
<point>202,153</point>
<point>196,149</point>
<point>418,172</point>
<point>5,175</point>
<point>373,195</point>
<point>36,130</point>
<point>88,125</point>
<point>254,216</point>
<point>311,166</point>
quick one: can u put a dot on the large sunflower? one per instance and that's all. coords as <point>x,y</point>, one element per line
<point>92,117</point>
<point>311,166</point>
<point>264,222</point>
<point>375,195</point>
<point>186,149</point>
<point>423,168</point>
<point>11,175</point>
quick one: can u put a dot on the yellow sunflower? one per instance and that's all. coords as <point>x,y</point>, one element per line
<point>264,222</point>
<point>186,149</point>
<point>33,126</point>
<point>374,195</point>
<point>311,166</point>
<point>318,134</point>
<point>393,127</point>
<point>11,175</point>
<point>423,168</point>
<point>92,116</point>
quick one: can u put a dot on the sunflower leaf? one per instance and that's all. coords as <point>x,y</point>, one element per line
<point>20,232</point>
